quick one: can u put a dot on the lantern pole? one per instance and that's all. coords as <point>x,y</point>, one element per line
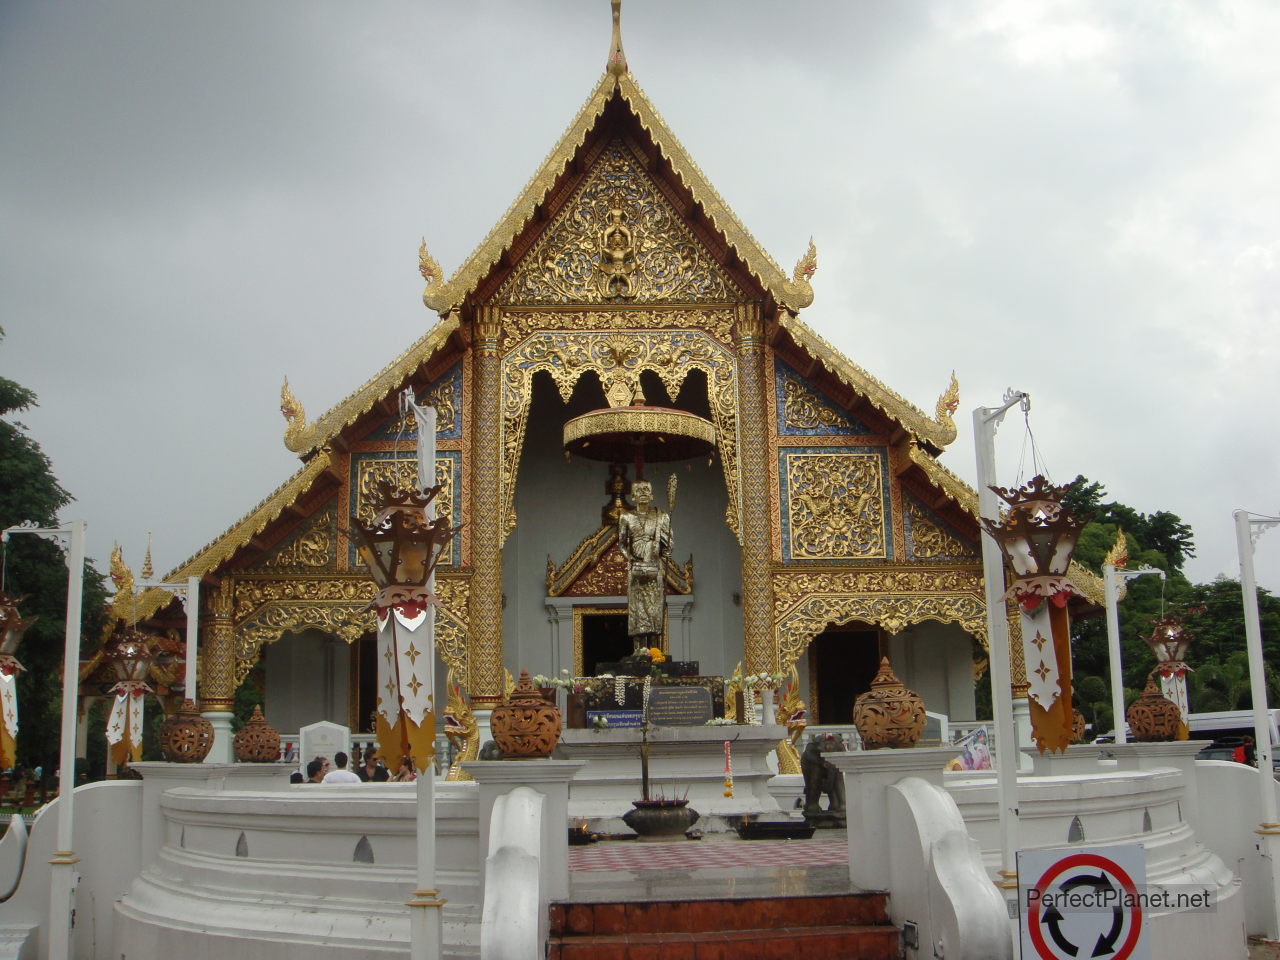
<point>1248,529</point>
<point>985,422</point>
<point>1112,579</point>
<point>62,878</point>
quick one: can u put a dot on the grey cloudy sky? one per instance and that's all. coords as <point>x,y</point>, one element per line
<point>1077,199</point>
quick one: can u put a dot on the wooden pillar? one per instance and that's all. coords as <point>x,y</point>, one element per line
<point>217,652</point>
<point>759,648</point>
<point>485,620</point>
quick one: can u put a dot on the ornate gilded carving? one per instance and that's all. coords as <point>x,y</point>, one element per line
<point>298,434</point>
<point>618,238</point>
<point>806,603</point>
<point>929,541</point>
<point>671,354</point>
<point>218,680</point>
<point>518,324</point>
<point>460,727</point>
<point>802,410</point>
<point>790,588</point>
<point>947,403</point>
<point>265,609</point>
<point>402,473</point>
<point>806,266</point>
<point>434,277</point>
<point>452,594</point>
<point>493,459</point>
<point>315,546</point>
<point>835,506</point>
<point>757,635</point>
<point>944,479</point>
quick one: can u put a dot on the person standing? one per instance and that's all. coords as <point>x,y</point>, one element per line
<point>340,773</point>
<point>372,770</point>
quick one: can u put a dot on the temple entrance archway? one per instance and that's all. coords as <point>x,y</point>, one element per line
<point>842,663</point>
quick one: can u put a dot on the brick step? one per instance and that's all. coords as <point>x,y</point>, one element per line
<point>697,916</point>
<point>857,942</point>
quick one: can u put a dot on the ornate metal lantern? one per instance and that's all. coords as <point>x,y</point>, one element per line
<point>129,654</point>
<point>12,627</point>
<point>1169,641</point>
<point>1038,535</point>
<point>401,548</point>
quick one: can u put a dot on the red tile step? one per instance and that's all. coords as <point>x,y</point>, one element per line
<point>779,943</point>
<point>851,926</point>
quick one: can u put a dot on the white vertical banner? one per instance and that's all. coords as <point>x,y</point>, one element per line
<point>1039,656</point>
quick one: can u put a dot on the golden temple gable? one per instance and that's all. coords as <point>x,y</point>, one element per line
<point>618,272</point>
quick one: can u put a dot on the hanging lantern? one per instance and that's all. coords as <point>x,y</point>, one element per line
<point>1038,535</point>
<point>1169,641</point>
<point>129,654</point>
<point>12,627</point>
<point>401,548</point>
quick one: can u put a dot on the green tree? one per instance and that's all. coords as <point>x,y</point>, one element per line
<point>1161,540</point>
<point>35,569</point>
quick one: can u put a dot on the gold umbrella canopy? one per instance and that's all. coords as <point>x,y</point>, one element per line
<point>641,433</point>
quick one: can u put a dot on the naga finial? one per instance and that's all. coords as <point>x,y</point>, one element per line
<point>1118,555</point>
<point>797,292</point>
<point>122,604</point>
<point>298,434</point>
<point>949,401</point>
<point>947,404</point>
<point>807,265</point>
<point>617,65</point>
<point>431,272</point>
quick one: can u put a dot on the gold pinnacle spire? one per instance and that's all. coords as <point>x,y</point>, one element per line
<point>617,59</point>
<point>147,570</point>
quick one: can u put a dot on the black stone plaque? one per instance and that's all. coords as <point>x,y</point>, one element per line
<point>680,706</point>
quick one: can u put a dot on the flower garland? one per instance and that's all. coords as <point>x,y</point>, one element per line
<point>619,689</point>
<point>728,771</point>
<point>644,701</point>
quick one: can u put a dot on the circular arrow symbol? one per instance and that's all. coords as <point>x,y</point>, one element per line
<point>1107,884</point>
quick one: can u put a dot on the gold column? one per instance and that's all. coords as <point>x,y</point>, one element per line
<point>217,652</point>
<point>757,592</point>
<point>485,620</point>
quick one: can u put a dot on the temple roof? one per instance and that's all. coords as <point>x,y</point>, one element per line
<point>794,292</point>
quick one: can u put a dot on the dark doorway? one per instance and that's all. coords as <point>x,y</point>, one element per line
<point>843,661</point>
<point>367,689</point>
<point>604,639</point>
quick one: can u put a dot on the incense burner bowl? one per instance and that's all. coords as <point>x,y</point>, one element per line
<point>660,819</point>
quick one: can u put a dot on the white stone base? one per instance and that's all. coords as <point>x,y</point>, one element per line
<point>683,762</point>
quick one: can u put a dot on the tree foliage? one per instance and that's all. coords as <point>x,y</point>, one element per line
<point>35,569</point>
<point>1213,613</point>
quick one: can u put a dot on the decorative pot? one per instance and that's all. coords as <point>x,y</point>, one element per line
<point>257,741</point>
<point>660,819</point>
<point>888,715</point>
<point>1153,718</point>
<point>186,737</point>
<point>525,725</point>
<point>1077,726</point>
